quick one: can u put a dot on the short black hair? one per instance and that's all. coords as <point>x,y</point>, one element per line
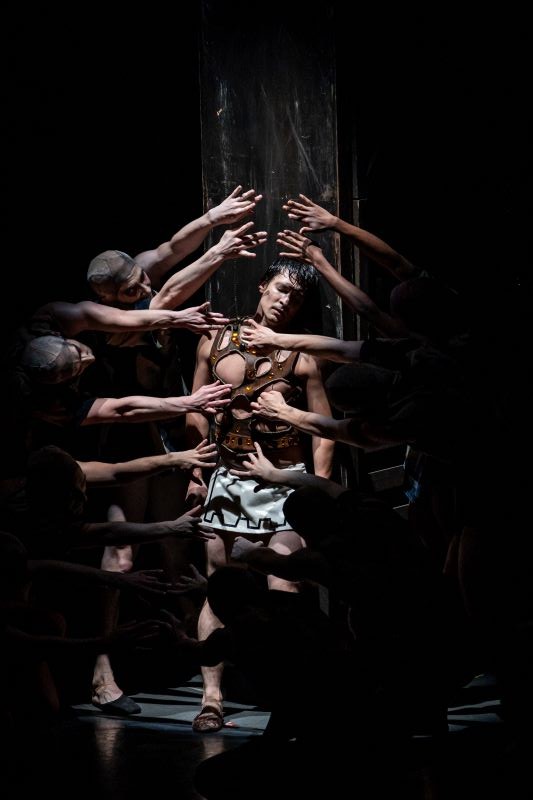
<point>309,317</point>
<point>305,275</point>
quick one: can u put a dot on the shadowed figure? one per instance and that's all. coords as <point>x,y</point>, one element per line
<point>323,709</point>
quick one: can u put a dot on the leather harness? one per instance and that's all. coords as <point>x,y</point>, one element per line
<point>236,434</point>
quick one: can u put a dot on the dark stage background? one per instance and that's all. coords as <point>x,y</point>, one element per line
<point>101,138</point>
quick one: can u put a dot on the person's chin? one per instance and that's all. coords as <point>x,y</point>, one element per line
<point>275,318</point>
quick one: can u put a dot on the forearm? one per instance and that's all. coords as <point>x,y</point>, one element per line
<point>159,261</point>
<point>98,473</point>
<point>136,409</point>
<point>108,534</point>
<point>79,572</point>
<point>295,480</point>
<point>187,281</point>
<point>190,237</point>
<point>378,250</point>
<point>309,422</point>
<point>134,320</point>
<point>338,430</point>
<point>319,346</point>
<point>73,318</point>
<point>352,295</point>
<point>359,302</point>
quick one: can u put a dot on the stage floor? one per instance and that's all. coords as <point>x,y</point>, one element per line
<point>98,756</point>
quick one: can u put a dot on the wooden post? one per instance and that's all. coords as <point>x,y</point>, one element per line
<point>268,122</point>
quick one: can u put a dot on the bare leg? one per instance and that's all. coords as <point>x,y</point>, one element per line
<point>285,543</point>
<point>217,556</point>
<point>114,559</point>
<point>218,551</point>
<point>167,501</point>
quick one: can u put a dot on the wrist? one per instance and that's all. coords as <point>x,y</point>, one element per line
<point>216,255</point>
<point>274,475</point>
<point>289,414</point>
<point>179,405</point>
<point>320,261</point>
<point>174,459</point>
<point>212,217</point>
<point>180,317</point>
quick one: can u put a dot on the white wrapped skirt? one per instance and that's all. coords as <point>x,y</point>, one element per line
<point>245,507</point>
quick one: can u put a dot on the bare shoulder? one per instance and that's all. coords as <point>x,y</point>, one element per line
<point>146,260</point>
<point>307,366</point>
<point>205,344</point>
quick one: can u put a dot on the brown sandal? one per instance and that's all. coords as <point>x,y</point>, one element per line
<point>209,720</point>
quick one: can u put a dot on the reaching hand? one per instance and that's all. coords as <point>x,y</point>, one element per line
<point>236,243</point>
<point>236,206</point>
<point>185,584</point>
<point>313,216</point>
<point>203,455</point>
<point>200,319</point>
<point>270,405</point>
<point>191,525</point>
<point>257,467</point>
<point>210,398</point>
<point>241,548</point>
<point>146,582</point>
<point>298,247</point>
<point>256,336</point>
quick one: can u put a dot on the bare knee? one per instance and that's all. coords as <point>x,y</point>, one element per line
<point>217,552</point>
<point>117,559</point>
<point>281,585</point>
<point>284,543</point>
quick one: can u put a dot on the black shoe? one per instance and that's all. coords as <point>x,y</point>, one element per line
<point>123,706</point>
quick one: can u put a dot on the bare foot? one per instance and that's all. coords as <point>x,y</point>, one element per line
<point>105,692</point>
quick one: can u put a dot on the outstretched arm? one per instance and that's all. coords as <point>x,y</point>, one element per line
<point>144,582</point>
<point>262,470</point>
<point>297,246</point>
<point>196,423</point>
<point>316,218</point>
<point>207,399</point>
<point>256,336</point>
<point>273,406</point>
<point>72,318</point>
<point>100,473</point>
<point>156,263</point>
<point>104,534</point>
<point>233,244</point>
